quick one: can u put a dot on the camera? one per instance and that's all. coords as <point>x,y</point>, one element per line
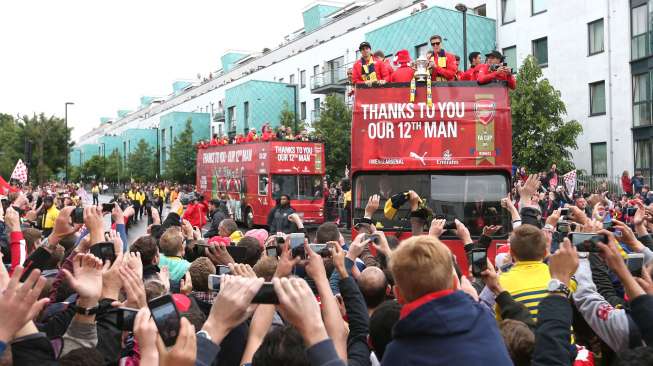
<point>586,242</point>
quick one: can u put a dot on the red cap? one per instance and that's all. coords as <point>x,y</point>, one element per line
<point>403,57</point>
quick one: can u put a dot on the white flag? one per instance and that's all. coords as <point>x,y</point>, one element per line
<point>570,182</point>
<point>20,172</point>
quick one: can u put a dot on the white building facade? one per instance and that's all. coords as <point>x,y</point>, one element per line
<point>584,47</point>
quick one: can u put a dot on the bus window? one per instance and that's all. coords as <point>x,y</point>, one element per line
<point>298,187</point>
<point>262,185</point>
<point>473,198</point>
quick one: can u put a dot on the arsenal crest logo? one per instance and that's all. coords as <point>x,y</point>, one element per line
<point>485,110</point>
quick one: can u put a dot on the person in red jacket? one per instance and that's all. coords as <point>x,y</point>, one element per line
<point>196,212</point>
<point>368,69</point>
<point>443,64</point>
<point>405,73</point>
<point>493,70</point>
<point>268,134</point>
<point>240,139</point>
<point>251,135</point>
<point>474,62</point>
<point>214,141</point>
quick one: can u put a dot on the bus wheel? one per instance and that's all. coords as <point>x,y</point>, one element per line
<point>249,218</point>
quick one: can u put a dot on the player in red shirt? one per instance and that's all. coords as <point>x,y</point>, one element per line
<point>474,62</point>
<point>492,69</point>
<point>368,69</point>
<point>443,64</point>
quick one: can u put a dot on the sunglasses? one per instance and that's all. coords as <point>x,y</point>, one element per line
<point>434,43</point>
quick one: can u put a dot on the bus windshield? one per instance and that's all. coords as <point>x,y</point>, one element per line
<point>298,187</point>
<point>471,197</point>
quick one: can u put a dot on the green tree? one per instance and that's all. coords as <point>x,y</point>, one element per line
<point>540,136</point>
<point>11,144</point>
<point>287,119</point>
<point>114,170</point>
<point>93,168</point>
<point>48,137</point>
<point>180,167</point>
<point>334,128</point>
<point>141,162</point>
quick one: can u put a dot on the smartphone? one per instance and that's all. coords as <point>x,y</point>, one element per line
<point>266,295</point>
<point>280,240</point>
<point>214,282</point>
<point>607,225</point>
<point>107,207</point>
<point>372,238</point>
<point>635,262</point>
<point>563,227</point>
<point>586,242</point>
<point>166,318</point>
<point>271,252</point>
<point>125,318</point>
<point>104,251</point>
<point>317,248</point>
<point>297,245</point>
<point>77,215</point>
<point>38,259</point>
<point>479,261</point>
<point>564,212</point>
<point>222,270</point>
<point>296,240</point>
<point>630,211</point>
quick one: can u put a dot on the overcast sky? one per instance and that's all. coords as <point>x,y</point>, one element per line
<point>104,55</point>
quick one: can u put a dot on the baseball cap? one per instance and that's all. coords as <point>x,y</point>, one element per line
<point>364,44</point>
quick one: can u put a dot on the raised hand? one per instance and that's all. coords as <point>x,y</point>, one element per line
<point>219,255</point>
<point>564,262</point>
<point>437,227</point>
<point>19,302</point>
<point>299,307</point>
<point>146,334</point>
<point>184,351</point>
<point>372,205</point>
<point>86,278</point>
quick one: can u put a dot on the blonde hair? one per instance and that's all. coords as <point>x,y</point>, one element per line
<point>421,265</point>
<point>171,242</point>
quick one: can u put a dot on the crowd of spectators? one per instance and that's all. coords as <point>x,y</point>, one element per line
<point>196,290</point>
<point>281,133</point>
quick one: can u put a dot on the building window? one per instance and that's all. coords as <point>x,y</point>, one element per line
<point>316,109</point>
<point>480,10</point>
<point>246,115</point>
<point>302,111</point>
<point>510,57</point>
<point>316,70</point>
<point>641,100</point>
<point>422,49</point>
<point>643,158</point>
<point>599,152</point>
<point>262,184</point>
<point>281,80</point>
<point>302,79</point>
<point>507,11</point>
<point>291,79</point>
<point>538,6</point>
<point>597,98</point>
<point>164,157</point>
<point>231,117</point>
<point>541,52</point>
<point>595,37</point>
<point>639,43</point>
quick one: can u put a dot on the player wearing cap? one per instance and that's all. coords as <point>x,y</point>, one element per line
<point>492,69</point>
<point>368,69</point>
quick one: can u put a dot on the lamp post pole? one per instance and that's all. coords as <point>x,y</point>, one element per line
<point>104,161</point>
<point>463,9</point>
<point>158,154</point>
<point>67,138</point>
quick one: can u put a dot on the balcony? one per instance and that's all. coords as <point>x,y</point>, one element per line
<point>330,81</point>
<point>219,117</point>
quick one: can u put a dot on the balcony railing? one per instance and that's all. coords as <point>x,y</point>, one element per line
<point>330,81</point>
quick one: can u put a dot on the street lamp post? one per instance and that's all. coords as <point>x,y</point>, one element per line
<point>104,161</point>
<point>158,153</point>
<point>66,122</point>
<point>463,9</point>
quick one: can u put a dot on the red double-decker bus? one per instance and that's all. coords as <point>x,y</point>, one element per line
<point>455,153</point>
<point>250,177</point>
